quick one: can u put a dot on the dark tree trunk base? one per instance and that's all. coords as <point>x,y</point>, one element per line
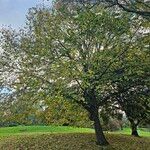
<point>101,140</point>
<point>135,133</point>
<point>102,144</point>
<point>134,130</point>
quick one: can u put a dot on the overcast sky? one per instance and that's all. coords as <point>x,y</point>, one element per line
<point>13,12</point>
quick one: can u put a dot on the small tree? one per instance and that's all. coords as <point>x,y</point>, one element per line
<point>131,88</point>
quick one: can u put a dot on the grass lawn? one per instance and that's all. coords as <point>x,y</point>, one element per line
<point>67,138</point>
<point>127,131</point>
<point>28,130</point>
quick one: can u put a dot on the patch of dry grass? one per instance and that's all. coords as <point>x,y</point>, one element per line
<point>72,141</point>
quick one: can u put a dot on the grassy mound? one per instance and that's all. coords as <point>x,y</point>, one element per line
<point>72,141</point>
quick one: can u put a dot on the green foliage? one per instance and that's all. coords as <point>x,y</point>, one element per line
<point>140,7</point>
<point>49,111</point>
<point>62,112</point>
<point>56,51</point>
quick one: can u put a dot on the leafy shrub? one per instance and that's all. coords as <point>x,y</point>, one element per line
<point>65,113</point>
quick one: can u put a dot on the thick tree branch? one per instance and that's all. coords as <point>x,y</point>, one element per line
<point>139,12</point>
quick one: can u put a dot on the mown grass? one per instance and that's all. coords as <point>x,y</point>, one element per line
<point>72,141</point>
<point>31,130</point>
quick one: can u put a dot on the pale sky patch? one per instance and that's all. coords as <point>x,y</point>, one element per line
<point>13,12</point>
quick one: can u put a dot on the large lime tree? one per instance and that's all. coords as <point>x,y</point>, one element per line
<point>69,53</point>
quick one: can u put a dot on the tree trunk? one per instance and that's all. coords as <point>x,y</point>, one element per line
<point>134,129</point>
<point>101,140</point>
<point>92,108</point>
